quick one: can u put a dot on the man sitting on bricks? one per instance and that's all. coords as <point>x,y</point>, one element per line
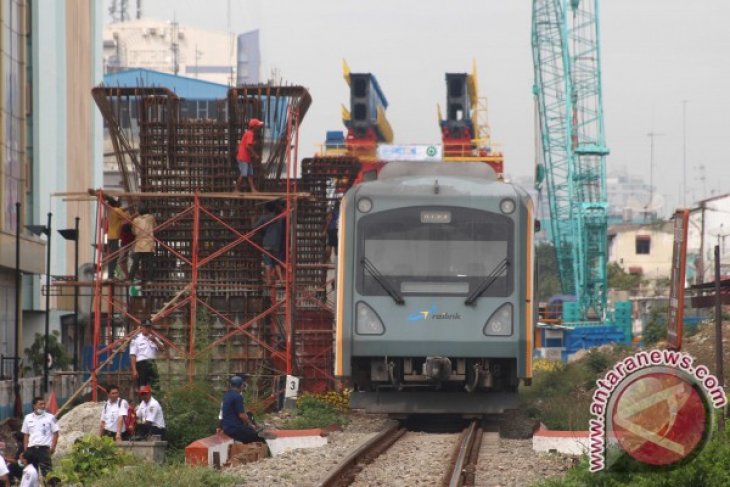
<point>234,420</point>
<point>150,420</point>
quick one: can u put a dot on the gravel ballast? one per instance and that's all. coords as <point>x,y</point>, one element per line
<point>415,459</point>
<point>306,467</point>
<point>513,463</point>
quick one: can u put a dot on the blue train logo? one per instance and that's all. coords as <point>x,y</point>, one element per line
<point>431,314</point>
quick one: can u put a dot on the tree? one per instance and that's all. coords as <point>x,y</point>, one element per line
<point>656,325</point>
<point>547,278</point>
<point>620,279</point>
<point>36,354</point>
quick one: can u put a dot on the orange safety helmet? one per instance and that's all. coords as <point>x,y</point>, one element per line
<point>255,122</point>
<point>145,389</point>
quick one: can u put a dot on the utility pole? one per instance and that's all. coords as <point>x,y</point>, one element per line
<point>718,329</point>
<point>703,179</point>
<point>651,136</point>
<point>18,403</point>
<point>46,351</point>
<point>197,54</point>
<point>701,260</point>
<point>174,46</point>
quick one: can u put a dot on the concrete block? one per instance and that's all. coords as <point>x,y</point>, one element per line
<point>150,451</point>
<point>201,452</point>
<point>287,440</point>
<point>567,442</point>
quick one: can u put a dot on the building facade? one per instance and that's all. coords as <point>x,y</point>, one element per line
<point>642,249</point>
<point>169,47</point>
<point>51,58</point>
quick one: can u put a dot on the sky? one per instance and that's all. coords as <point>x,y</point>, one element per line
<point>656,55</point>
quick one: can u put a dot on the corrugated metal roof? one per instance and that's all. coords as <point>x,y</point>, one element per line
<point>189,88</point>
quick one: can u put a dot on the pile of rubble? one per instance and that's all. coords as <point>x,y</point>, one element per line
<point>81,420</point>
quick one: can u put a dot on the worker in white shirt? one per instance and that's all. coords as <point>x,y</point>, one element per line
<point>4,473</point>
<point>40,434</point>
<point>113,416</point>
<point>150,420</point>
<point>28,460</point>
<point>143,352</point>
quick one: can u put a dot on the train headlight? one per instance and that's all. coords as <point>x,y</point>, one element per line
<point>368,322</point>
<point>507,206</point>
<point>364,205</point>
<point>500,323</point>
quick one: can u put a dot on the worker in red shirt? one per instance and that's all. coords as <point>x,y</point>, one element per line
<point>247,154</point>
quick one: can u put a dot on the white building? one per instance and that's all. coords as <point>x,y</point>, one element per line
<point>642,249</point>
<point>169,47</point>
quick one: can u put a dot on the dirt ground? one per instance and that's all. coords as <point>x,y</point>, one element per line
<point>6,435</point>
<point>702,347</point>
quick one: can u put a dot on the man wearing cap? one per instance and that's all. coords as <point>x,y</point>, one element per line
<point>143,352</point>
<point>150,420</point>
<point>247,153</point>
<point>40,434</point>
<point>234,420</point>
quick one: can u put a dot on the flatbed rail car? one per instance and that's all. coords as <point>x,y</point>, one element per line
<point>435,305</point>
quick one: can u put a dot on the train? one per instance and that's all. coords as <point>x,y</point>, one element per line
<point>435,305</point>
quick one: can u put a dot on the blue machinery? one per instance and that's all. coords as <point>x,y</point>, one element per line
<point>566,56</point>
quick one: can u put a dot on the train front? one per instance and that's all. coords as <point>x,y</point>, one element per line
<point>434,299</point>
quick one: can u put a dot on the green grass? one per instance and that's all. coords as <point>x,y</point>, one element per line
<point>711,468</point>
<point>176,475</point>
<point>561,398</point>
<point>313,412</point>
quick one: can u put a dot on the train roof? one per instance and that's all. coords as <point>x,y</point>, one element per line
<point>415,169</point>
<point>452,178</point>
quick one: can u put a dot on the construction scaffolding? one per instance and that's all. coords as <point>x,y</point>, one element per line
<point>206,295</point>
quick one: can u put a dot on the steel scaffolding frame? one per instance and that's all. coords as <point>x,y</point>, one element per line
<point>192,295</point>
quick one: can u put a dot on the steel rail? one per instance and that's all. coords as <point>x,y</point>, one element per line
<point>344,473</point>
<point>465,457</point>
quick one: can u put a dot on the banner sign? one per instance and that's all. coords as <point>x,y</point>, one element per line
<point>419,152</point>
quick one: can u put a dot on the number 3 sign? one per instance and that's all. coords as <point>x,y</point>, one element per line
<point>292,386</point>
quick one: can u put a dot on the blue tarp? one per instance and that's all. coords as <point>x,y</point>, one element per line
<point>120,361</point>
<point>189,88</point>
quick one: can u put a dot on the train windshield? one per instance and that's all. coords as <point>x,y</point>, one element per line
<point>436,250</point>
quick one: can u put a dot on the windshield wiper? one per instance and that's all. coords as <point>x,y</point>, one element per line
<point>381,279</point>
<point>488,281</point>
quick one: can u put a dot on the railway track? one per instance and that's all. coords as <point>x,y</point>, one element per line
<point>464,460</point>
<point>462,464</point>
<point>344,473</point>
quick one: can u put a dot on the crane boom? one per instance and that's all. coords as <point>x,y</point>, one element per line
<point>566,57</point>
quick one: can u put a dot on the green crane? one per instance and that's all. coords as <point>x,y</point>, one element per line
<point>566,57</point>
